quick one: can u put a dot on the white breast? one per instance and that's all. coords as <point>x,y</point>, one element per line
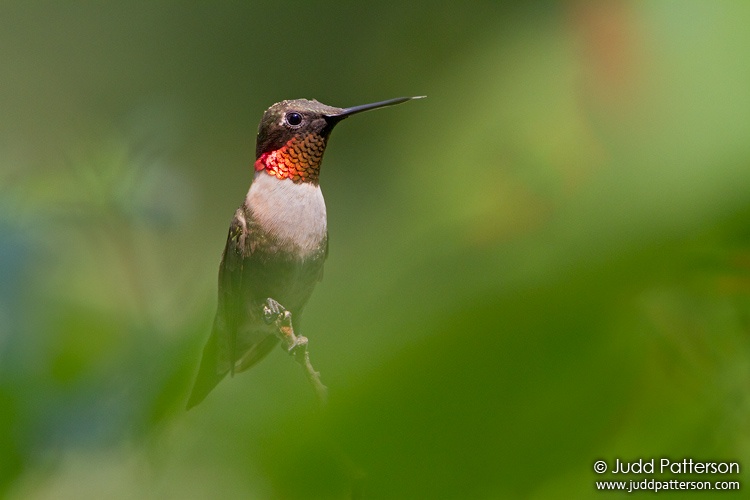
<point>295,213</point>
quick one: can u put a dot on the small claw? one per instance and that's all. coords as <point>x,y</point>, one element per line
<point>272,310</point>
<point>286,318</point>
<point>268,315</point>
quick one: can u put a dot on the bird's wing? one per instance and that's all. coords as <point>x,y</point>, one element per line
<point>220,352</point>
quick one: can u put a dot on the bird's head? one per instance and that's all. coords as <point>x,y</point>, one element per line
<point>292,136</point>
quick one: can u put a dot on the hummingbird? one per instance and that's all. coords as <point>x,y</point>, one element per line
<point>277,241</point>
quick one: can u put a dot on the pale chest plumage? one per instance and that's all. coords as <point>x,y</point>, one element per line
<point>295,213</point>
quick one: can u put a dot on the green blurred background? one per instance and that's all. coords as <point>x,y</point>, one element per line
<point>545,263</point>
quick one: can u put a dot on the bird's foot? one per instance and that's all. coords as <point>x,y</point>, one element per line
<point>276,314</point>
<point>273,312</point>
<point>296,345</point>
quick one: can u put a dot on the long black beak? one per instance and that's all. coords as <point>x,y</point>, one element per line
<point>337,117</point>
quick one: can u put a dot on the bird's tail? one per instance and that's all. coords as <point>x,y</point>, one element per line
<point>208,373</point>
<point>216,363</point>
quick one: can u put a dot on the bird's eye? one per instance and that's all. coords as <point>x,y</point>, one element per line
<point>293,118</point>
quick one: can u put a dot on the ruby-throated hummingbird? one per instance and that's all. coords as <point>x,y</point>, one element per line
<point>278,238</point>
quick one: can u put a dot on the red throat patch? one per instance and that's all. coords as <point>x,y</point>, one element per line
<point>299,159</point>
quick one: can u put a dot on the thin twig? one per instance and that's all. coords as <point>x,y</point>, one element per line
<point>297,347</point>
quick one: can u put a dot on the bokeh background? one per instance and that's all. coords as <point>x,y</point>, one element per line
<point>544,263</point>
